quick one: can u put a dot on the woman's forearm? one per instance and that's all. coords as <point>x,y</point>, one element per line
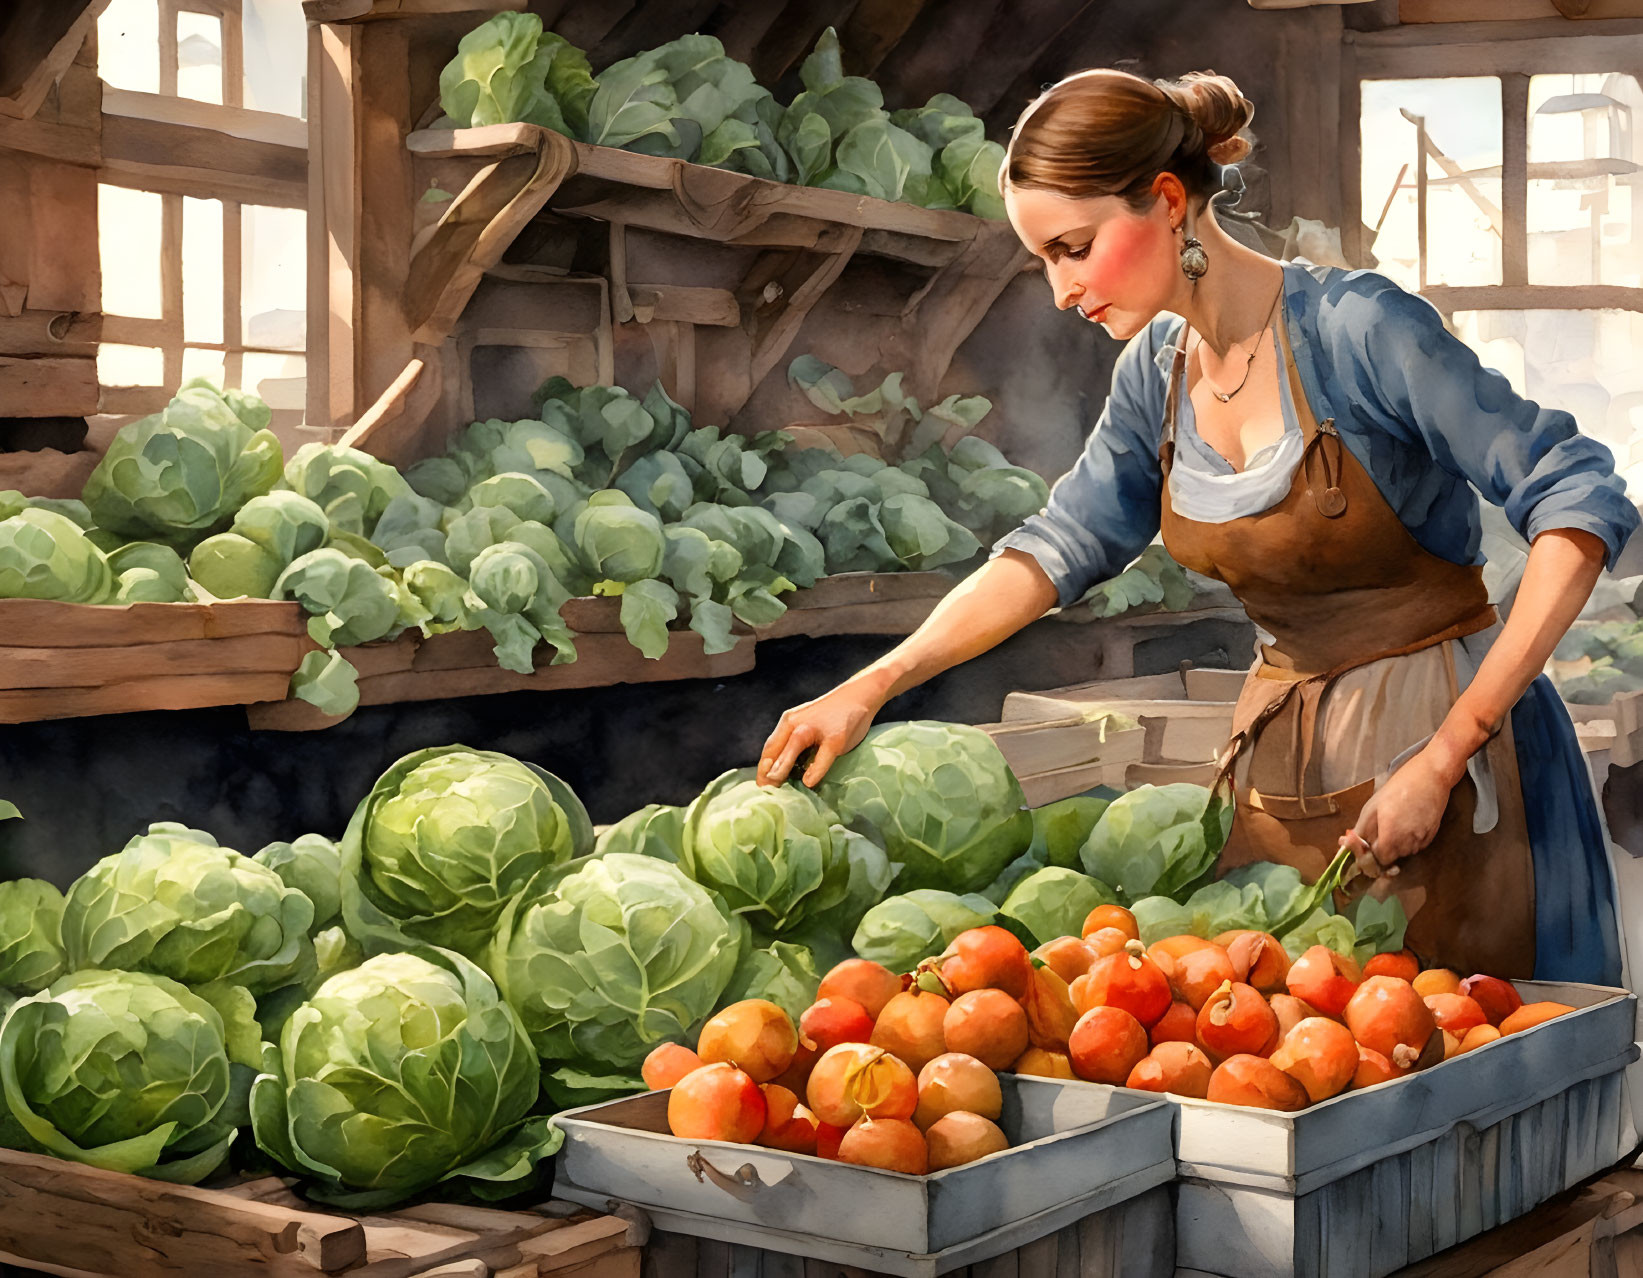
<point>1564,565</point>
<point>985,609</point>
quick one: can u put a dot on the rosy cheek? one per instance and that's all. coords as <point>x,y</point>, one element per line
<point>1120,260</point>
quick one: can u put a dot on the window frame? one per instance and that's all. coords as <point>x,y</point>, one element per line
<point>173,147</point>
<point>1513,52</point>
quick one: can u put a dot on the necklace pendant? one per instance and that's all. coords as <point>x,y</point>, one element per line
<point>1224,398</point>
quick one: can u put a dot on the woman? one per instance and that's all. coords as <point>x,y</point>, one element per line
<point>1308,436</point>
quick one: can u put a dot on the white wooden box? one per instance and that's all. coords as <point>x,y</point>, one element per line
<point>1074,1152</point>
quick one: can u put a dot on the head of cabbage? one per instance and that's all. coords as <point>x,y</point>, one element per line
<point>174,903</point>
<point>446,838</point>
<point>31,935</point>
<point>624,952</point>
<point>776,854</point>
<point>403,1072</point>
<point>130,1072</point>
<point>940,799</point>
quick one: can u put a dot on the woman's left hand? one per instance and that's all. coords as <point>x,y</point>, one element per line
<point>1403,815</point>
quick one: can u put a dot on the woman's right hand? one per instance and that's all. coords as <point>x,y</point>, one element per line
<point>832,723</point>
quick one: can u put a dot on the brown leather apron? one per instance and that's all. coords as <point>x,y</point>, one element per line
<point>1333,575</point>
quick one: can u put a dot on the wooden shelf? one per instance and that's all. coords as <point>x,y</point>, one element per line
<point>62,661</point>
<point>112,1225</point>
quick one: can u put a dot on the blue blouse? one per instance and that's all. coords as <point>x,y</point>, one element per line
<point>1429,423</point>
<point>1433,428</point>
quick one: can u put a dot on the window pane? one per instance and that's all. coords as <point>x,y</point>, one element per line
<point>280,380</point>
<point>274,259</point>
<point>1583,362</point>
<point>1462,160</point>
<point>276,57</point>
<point>202,270</point>
<point>199,57</point>
<point>119,365</point>
<point>206,364</point>
<point>1582,180</point>
<point>128,45</point>
<point>128,240</point>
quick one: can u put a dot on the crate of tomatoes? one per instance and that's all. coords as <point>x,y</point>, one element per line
<point>1337,1118</point>
<point>879,1132</point>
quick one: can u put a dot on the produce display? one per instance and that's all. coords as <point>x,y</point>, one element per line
<point>401,1011</point>
<point>687,100</point>
<point>1597,660</point>
<point>600,493</point>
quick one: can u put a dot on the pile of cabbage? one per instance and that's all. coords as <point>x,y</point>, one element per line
<point>400,1011</point>
<point>687,100</point>
<point>599,492</point>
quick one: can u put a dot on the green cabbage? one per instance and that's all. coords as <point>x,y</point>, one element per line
<point>901,930</point>
<point>624,952</point>
<point>31,945</point>
<point>174,903</point>
<point>448,837</point>
<point>1052,902</point>
<point>130,1072</point>
<point>938,797</point>
<point>401,1073</point>
<point>179,475</point>
<point>44,555</point>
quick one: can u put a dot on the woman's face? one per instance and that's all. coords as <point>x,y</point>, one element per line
<point>1119,267</point>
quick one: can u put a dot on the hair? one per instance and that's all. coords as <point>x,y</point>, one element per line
<point>1107,132</point>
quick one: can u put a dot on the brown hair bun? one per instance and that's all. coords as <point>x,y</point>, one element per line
<point>1107,132</point>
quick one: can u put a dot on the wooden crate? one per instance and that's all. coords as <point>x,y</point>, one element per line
<point>860,603</point>
<point>60,660</point>
<point>66,1218</point>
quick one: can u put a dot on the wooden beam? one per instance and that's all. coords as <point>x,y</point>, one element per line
<point>348,11</point>
<point>1514,179</point>
<point>774,324</point>
<point>38,43</point>
<point>66,333</point>
<point>229,186</point>
<point>187,154</point>
<point>236,122</point>
<point>1417,11</point>
<point>65,272</point>
<point>681,304</point>
<point>794,34</point>
<point>1015,39</point>
<point>64,143</point>
<point>391,428</point>
<point>476,228</point>
<point>48,386</point>
<point>1535,297</point>
<point>873,29</point>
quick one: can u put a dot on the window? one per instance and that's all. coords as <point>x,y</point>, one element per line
<point>1507,200</point>
<point>204,270</point>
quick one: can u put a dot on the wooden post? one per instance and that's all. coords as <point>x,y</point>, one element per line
<point>1514,179</point>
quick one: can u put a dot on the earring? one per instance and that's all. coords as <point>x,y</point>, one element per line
<point>1194,261</point>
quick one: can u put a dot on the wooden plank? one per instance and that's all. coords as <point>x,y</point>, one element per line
<point>65,143</point>
<point>237,122</point>
<point>44,623</point>
<point>678,303</point>
<point>41,42</point>
<point>892,617</point>
<point>41,332</point>
<point>190,152</point>
<point>50,1208</point>
<point>386,196</point>
<point>63,274</point>
<point>1512,10</point>
<point>602,660</point>
<point>171,692</point>
<point>35,667</point>
<point>48,386</point>
<point>1535,297</point>
<point>565,1248</point>
<point>346,11</point>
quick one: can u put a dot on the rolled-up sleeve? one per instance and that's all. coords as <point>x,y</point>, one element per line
<point>1531,461</point>
<point>1105,510</point>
